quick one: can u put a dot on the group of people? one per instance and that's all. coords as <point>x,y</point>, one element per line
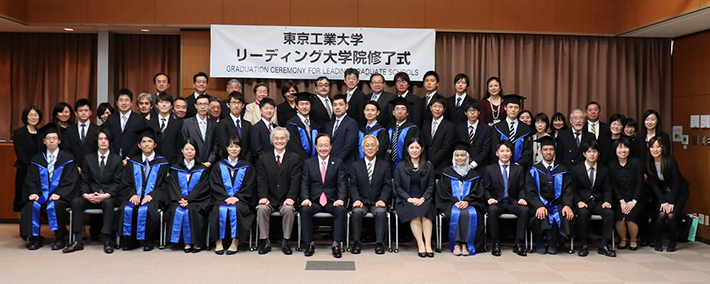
<point>217,165</point>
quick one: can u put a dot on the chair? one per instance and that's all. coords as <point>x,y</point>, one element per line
<point>319,215</point>
<point>369,215</point>
<point>595,218</point>
<point>90,212</point>
<point>273,214</point>
<point>508,216</point>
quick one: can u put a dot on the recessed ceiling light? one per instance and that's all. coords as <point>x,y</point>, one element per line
<point>68,29</point>
<point>145,30</point>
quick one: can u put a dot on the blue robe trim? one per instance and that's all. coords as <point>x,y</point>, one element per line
<point>141,191</point>
<point>48,188</point>
<point>400,142</point>
<point>181,221</point>
<point>226,210</point>
<point>553,210</point>
<point>460,193</point>
<point>361,135</point>
<point>517,143</point>
<point>309,146</point>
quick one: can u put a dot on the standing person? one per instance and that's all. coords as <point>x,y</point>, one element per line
<point>261,131</point>
<point>288,108</point>
<point>439,136</point>
<point>188,196</point>
<point>631,129</point>
<point>504,192</point>
<point>431,85</point>
<point>215,109</point>
<point>50,184</point>
<point>199,82</point>
<point>400,131</point>
<point>525,116</point>
<point>252,114</point>
<point>377,84</point>
<point>80,138</point>
<point>101,179</point>
<point>232,184</point>
<point>594,126</point>
<point>161,81</point>
<point>103,111</point>
<point>516,132</point>
<point>302,129</point>
<point>541,125</point>
<point>454,112</point>
<point>616,131</point>
<point>570,141</point>
<point>25,141</point>
<point>233,85</point>
<point>344,132</point>
<point>323,188</point>
<point>234,124</point>
<point>124,124</point>
<point>63,116</point>
<point>460,196</point>
<point>321,104</point>
<point>278,174</point>
<point>559,123</point>
<point>476,134</point>
<point>492,104</point>
<point>180,108</point>
<point>414,185</point>
<point>145,105</point>
<point>168,128</point>
<point>402,83</point>
<point>651,127</point>
<point>370,112</point>
<point>627,182</point>
<point>354,97</point>
<point>670,188</point>
<point>204,131</point>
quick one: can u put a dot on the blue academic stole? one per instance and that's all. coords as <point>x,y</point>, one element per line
<point>141,190</point>
<point>309,146</point>
<point>461,190</point>
<point>361,135</point>
<point>181,221</point>
<point>517,143</point>
<point>232,188</point>
<point>48,188</point>
<point>400,142</point>
<point>553,211</point>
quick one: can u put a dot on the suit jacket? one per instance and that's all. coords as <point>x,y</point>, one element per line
<point>603,129</point>
<point>356,104</point>
<point>71,142</point>
<point>568,153</point>
<point>67,182</point>
<point>278,183</point>
<point>673,181</point>
<point>457,117</point>
<point>295,143</point>
<point>439,149</point>
<point>209,147</point>
<point>191,109</point>
<point>494,187</point>
<point>25,145</point>
<point>252,114</point>
<point>334,186</point>
<point>385,109</point>
<point>95,180</point>
<point>481,147</point>
<point>225,110</point>
<point>584,191</point>
<point>639,148</point>
<point>260,139</point>
<point>369,192</point>
<point>227,129</point>
<point>526,157</point>
<point>319,113</point>
<point>426,114</point>
<point>170,140</point>
<point>547,192</point>
<point>125,143</point>
<point>403,181</point>
<point>414,103</point>
<point>345,139</point>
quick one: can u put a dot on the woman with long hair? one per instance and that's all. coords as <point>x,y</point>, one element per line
<point>492,105</point>
<point>628,188</point>
<point>558,123</point>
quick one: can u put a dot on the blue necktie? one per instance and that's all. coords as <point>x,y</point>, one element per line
<point>549,175</point>
<point>458,104</point>
<point>505,181</point>
<point>239,127</point>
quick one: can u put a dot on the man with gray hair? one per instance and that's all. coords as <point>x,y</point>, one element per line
<point>233,85</point>
<point>145,105</point>
<point>370,187</point>
<point>278,176</point>
<point>570,141</point>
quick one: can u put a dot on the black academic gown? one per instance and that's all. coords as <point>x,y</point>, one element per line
<point>537,191</point>
<point>445,200</point>
<point>382,136</point>
<point>135,169</point>
<point>244,177</point>
<point>198,198</point>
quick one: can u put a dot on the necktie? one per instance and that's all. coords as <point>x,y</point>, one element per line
<point>576,138</point>
<point>147,167</point>
<point>278,161</point>
<point>270,129</point>
<point>203,129</point>
<point>505,181</point>
<point>428,97</point>
<point>83,133</point>
<point>102,165</point>
<point>50,166</point>
<point>239,127</point>
<point>369,172</point>
<point>512,131</point>
<point>549,175</point>
<point>308,128</point>
<point>591,176</point>
<point>594,129</point>
<point>162,125</point>
<point>458,104</point>
<point>471,133</point>
<point>433,128</point>
<point>328,108</point>
<point>393,144</point>
<point>367,128</point>
<point>124,119</point>
<point>337,123</point>
<point>323,199</point>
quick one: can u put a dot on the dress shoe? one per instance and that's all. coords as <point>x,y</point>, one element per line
<point>496,249</point>
<point>336,252</point>
<point>130,244</point>
<point>430,254</point>
<point>633,245</point>
<point>520,250</point>
<point>457,250</point>
<point>265,248</point>
<point>671,246</point>
<point>58,244</point>
<point>219,252</point>
<point>356,248</point>
<point>658,246</point>
<point>187,250</point>
<point>552,249</point>
<point>584,251</point>
<point>75,246</point>
<point>35,243</point>
<point>148,246</point>
<point>606,251</point>
<point>623,244</point>
<point>108,247</point>
<point>464,251</point>
<point>286,249</point>
<point>196,249</point>
<point>310,250</point>
<point>379,248</point>
<point>421,254</point>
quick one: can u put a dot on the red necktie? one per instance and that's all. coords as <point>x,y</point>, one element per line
<point>278,161</point>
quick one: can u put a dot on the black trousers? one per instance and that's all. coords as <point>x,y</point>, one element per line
<point>380,221</point>
<point>152,224</point>
<point>339,220</point>
<point>505,206</point>
<point>26,218</point>
<point>80,204</point>
<point>583,215</point>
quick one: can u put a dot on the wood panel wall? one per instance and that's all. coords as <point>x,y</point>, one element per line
<point>691,96</point>
<point>14,9</point>
<point>7,175</point>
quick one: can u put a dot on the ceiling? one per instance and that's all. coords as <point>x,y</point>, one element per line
<point>678,26</point>
<point>12,26</point>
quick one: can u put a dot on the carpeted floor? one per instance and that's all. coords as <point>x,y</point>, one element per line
<point>691,263</point>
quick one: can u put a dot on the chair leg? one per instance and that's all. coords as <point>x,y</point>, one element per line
<point>71,223</point>
<point>162,232</point>
<point>396,233</point>
<point>298,217</point>
<point>438,233</point>
<point>207,240</point>
<point>389,232</point>
<point>571,244</point>
<point>347,232</point>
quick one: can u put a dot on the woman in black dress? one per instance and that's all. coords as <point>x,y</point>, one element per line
<point>414,183</point>
<point>459,195</point>
<point>670,188</point>
<point>287,109</point>
<point>651,128</point>
<point>627,181</point>
<point>189,195</point>
<point>25,143</point>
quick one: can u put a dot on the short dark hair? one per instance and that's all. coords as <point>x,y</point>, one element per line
<point>525,111</point>
<point>621,141</point>
<point>340,97</point>
<point>82,102</point>
<point>438,99</point>
<point>505,143</point>
<point>351,71</point>
<point>404,76</point>
<point>200,74</point>
<point>161,73</point>
<point>266,101</point>
<point>591,144</point>
<point>374,103</point>
<point>215,99</point>
<point>60,108</point>
<point>593,103</point>
<point>124,92</point>
<point>286,86</point>
<point>630,122</point>
<point>203,96</point>
<point>179,99</point>
<point>617,116</point>
<point>103,107</point>
<point>432,73</point>
<point>321,78</point>
<point>376,74</point>
<point>235,96</point>
<point>234,140</point>
<point>106,132</point>
<point>322,134</point>
<point>192,142</point>
<point>461,76</point>
<point>166,97</point>
<point>26,112</point>
<point>542,117</point>
<point>474,103</point>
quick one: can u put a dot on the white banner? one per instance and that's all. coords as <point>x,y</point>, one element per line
<point>309,52</point>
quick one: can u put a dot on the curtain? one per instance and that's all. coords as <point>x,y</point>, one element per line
<point>139,57</point>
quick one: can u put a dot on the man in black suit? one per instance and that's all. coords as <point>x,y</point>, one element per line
<point>233,85</point>
<point>261,131</point>
<point>370,188</point>
<point>123,125</point>
<point>199,81</point>
<point>278,176</point>
<point>454,111</point>
<point>323,189</point>
<point>302,129</point>
<point>204,131</point>
<point>600,130</point>
<point>99,190</point>
<point>516,132</point>
<point>180,108</point>
<point>80,138</point>
<point>145,106</point>
<point>400,132</point>
<point>549,190</point>
<point>321,104</point>
<point>161,81</point>
<point>439,136</point>
<point>355,97</point>
<point>377,84</point>
<point>593,195</point>
<point>476,134</point>
<point>431,85</point>
<point>344,132</point>
<point>402,83</point>
<point>570,141</point>
<point>170,137</point>
<point>504,189</point>
<point>234,124</point>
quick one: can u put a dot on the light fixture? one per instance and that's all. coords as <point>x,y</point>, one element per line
<point>145,30</point>
<point>68,29</point>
